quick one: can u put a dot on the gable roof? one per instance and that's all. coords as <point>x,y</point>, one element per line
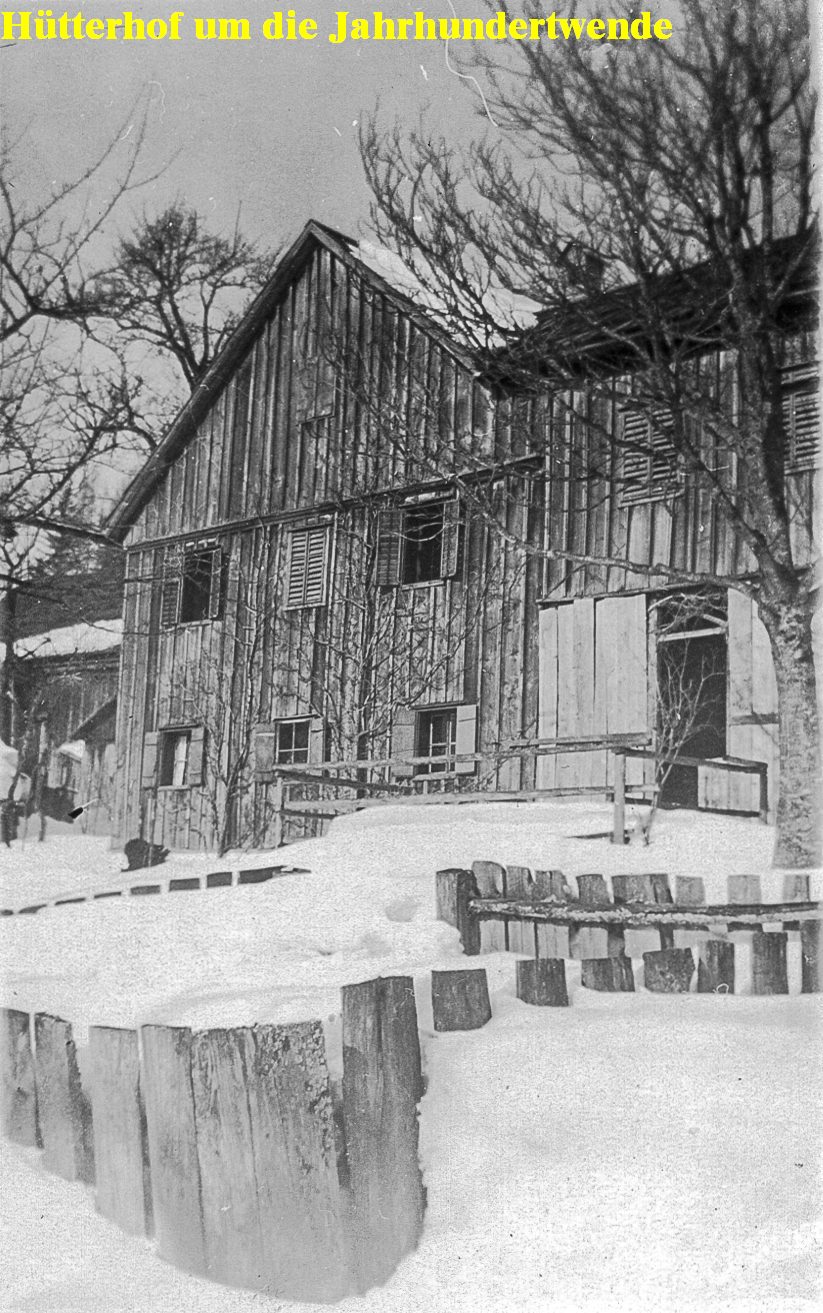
<point>184,426</point>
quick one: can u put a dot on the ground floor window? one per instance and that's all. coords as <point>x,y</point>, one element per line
<point>175,749</point>
<point>436,737</point>
<point>291,743</point>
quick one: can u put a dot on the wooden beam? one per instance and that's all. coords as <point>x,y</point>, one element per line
<point>638,916</point>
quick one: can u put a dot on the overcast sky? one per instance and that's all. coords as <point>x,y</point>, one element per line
<point>266,125</point>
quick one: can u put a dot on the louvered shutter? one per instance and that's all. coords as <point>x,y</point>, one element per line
<point>801,422</point>
<point>403,742</point>
<point>172,585</point>
<point>636,456</point>
<point>662,454</point>
<point>450,550</point>
<point>308,558</point>
<point>149,769</point>
<point>389,546</point>
<point>317,739</point>
<point>265,739</point>
<point>466,737</point>
<point>197,744</point>
<point>216,584</point>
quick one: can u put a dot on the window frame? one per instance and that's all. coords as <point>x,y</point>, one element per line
<point>286,756</point>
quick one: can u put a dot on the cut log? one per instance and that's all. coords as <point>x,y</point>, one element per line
<point>668,970</point>
<point>490,878</point>
<point>175,1173</point>
<point>744,889</point>
<point>769,973</point>
<point>454,890</point>
<point>691,889</point>
<point>19,1100</point>
<point>519,884</point>
<point>810,957</point>
<point>796,887</point>
<point>63,1109</point>
<point>382,1084</point>
<point>593,890</point>
<point>608,974</point>
<point>552,941</point>
<point>460,1000</point>
<point>715,967</point>
<point>218,880</point>
<point>542,983</point>
<point>122,1185</point>
<point>639,916</point>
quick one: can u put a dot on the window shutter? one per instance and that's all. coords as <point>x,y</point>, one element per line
<point>216,581</point>
<point>636,457</point>
<point>450,549</point>
<point>389,545</point>
<point>197,744</point>
<point>801,422</point>
<point>172,582</point>
<point>316,557</point>
<point>466,737</point>
<point>403,741</point>
<point>663,470</point>
<point>317,739</point>
<point>265,738</point>
<point>149,771</point>
<point>308,558</point>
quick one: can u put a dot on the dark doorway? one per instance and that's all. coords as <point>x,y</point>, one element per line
<point>691,679</point>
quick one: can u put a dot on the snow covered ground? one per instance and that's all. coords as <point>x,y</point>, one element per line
<point>630,1151</point>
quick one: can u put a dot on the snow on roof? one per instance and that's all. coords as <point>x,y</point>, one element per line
<point>98,636</point>
<point>74,748</point>
<point>508,309</point>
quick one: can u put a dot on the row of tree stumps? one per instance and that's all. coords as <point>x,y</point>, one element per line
<point>497,908</point>
<point>234,1148</point>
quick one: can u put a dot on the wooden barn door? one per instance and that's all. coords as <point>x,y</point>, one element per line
<point>593,661</point>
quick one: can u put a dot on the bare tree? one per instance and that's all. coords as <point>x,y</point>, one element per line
<point>656,203</point>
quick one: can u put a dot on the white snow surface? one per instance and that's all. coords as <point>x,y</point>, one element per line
<point>631,1151</point>
<point>71,640</point>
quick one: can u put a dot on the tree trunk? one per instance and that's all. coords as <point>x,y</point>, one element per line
<point>798,840</point>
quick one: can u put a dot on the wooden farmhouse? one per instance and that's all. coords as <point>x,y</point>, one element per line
<point>338,554</point>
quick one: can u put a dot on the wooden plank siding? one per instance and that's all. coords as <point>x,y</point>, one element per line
<point>352,403</point>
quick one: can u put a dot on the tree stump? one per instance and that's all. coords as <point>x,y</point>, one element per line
<point>460,1000</point>
<point>608,974</point>
<point>62,1107</point>
<point>810,959</point>
<point>542,982</point>
<point>769,974</point>
<point>715,967</point>
<point>668,970</point>
<point>19,1102</point>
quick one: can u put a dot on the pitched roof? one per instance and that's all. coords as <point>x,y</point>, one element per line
<point>184,426</point>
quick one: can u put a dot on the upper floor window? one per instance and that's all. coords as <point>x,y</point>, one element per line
<point>192,585</point>
<point>307,575</point>
<point>419,543</point>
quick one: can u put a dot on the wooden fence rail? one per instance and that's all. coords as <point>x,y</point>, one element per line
<point>537,913</point>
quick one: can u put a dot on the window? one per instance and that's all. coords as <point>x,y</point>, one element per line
<point>419,543</point>
<point>439,731</point>
<point>436,737</point>
<point>291,741</point>
<point>192,585</point>
<point>308,567</point>
<point>649,462</point>
<point>801,418</point>
<point>173,758</point>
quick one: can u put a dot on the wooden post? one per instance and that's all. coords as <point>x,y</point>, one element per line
<point>454,890</point>
<point>810,959</point>
<point>651,889</point>
<point>609,974</point>
<point>175,1173</point>
<point>271,1204</point>
<point>551,940</point>
<point>460,1000</point>
<point>715,967</point>
<point>382,1084</point>
<point>519,884</point>
<point>588,942</point>
<point>19,1100</point>
<point>764,793</point>
<point>123,1187</point>
<point>796,887</point>
<point>446,894</point>
<point>62,1107</point>
<point>279,809</point>
<point>668,970</point>
<point>769,975</point>
<point>542,983</point>
<point>691,890</point>
<point>490,878</point>
<point>744,889</point>
<point>619,824</point>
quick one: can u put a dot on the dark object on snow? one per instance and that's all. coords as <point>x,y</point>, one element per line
<point>54,802</point>
<point>9,819</point>
<point>140,853</point>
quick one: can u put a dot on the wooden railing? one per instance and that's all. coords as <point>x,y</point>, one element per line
<point>729,764</point>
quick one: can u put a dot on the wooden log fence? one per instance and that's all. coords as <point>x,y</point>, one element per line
<point>232,1148</point>
<point>527,912</point>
